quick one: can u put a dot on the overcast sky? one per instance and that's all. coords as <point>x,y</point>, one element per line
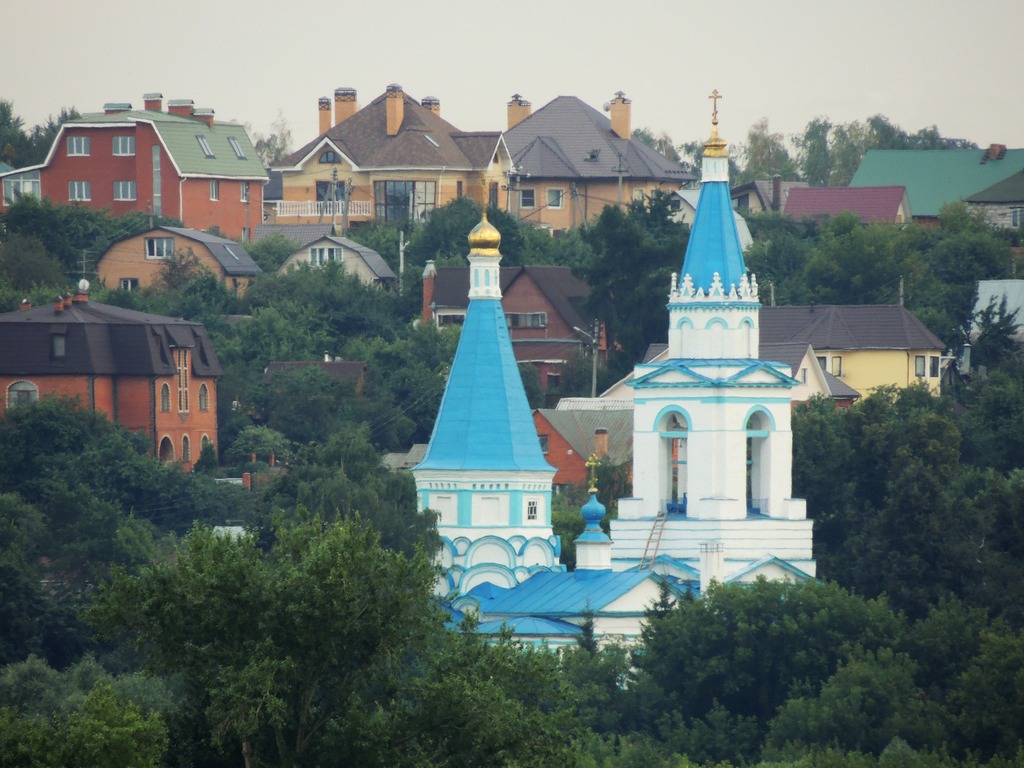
<point>947,63</point>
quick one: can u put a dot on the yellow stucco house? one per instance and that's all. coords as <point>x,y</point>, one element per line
<point>570,161</point>
<point>394,160</point>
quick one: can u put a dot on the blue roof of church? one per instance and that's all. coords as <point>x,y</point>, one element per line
<point>714,242</point>
<point>529,625</point>
<point>558,594</point>
<point>485,420</point>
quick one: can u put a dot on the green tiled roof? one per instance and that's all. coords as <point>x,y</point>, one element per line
<point>936,177</point>
<point>179,136</point>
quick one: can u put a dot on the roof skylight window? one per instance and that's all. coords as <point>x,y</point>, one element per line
<point>239,152</point>
<point>204,145</point>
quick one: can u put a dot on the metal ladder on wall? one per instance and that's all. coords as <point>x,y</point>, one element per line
<point>653,541</point>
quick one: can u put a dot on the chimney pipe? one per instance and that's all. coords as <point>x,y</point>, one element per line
<point>621,118</point>
<point>600,442</point>
<point>776,193</point>
<point>206,115</point>
<point>324,109</point>
<point>153,102</point>
<point>395,108</point>
<point>26,304</point>
<point>518,110</point>
<point>58,305</point>
<point>345,104</point>
<point>180,107</point>
<point>429,273</point>
<point>433,104</point>
<point>112,108</point>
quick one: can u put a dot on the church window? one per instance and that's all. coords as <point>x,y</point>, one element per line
<point>166,449</point>
<point>181,365</point>
<point>165,398</point>
<point>758,462</point>
<point>204,397</point>
<point>186,449</point>
<point>531,510</point>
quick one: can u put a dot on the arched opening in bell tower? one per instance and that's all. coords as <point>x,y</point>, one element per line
<point>759,430</point>
<point>673,430</point>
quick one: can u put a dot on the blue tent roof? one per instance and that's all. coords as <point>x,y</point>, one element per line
<point>714,242</point>
<point>560,594</point>
<point>485,420</point>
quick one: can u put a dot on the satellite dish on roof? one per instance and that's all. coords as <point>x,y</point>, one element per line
<point>607,106</point>
<point>83,285</point>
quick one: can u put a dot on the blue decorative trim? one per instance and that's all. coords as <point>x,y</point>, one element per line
<point>760,409</point>
<point>673,409</point>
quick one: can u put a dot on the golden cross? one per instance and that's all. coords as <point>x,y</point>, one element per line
<point>715,96</point>
<point>592,464</point>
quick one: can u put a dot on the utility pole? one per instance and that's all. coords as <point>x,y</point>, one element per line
<point>593,341</point>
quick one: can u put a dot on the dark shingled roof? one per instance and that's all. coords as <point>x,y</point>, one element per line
<point>869,203</point>
<point>1009,190</point>
<point>564,290</point>
<point>300,234</point>
<point>232,257</point>
<point>569,139</point>
<point>102,340</point>
<point>424,140</point>
<point>829,326</point>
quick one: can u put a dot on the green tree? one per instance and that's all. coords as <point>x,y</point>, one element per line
<point>274,146</point>
<point>279,649</point>
<point>765,155</point>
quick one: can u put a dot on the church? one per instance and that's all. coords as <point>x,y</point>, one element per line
<point>712,457</point>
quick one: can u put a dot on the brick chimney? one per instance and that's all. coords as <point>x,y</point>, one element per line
<point>58,305</point>
<point>112,108</point>
<point>154,102</point>
<point>776,193</point>
<point>180,107</point>
<point>621,118</point>
<point>518,110</point>
<point>429,274</point>
<point>345,104</point>
<point>395,108</point>
<point>996,151</point>
<point>26,304</point>
<point>600,442</point>
<point>323,107</point>
<point>206,115</point>
<point>433,104</point>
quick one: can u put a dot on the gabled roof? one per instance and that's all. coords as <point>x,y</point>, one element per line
<point>936,177</point>
<point>1009,190</point>
<point>578,427</point>
<point>424,140</point>
<point>554,594</point>
<point>232,257</point>
<point>832,327</point>
<point>869,203</point>
<point>571,140</point>
<point>373,260</point>
<point>100,340</point>
<point>300,234</point>
<point>560,287</point>
<point>178,135</point>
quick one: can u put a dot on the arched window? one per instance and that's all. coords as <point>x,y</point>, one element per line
<point>166,450</point>
<point>759,430</point>
<point>329,157</point>
<point>673,427</point>
<point>186,449</point>
<point>204,398</point>
<point>22,393</point>
<point>165,398</point>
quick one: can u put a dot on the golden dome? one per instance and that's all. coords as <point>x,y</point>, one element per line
<point>484,237</point>
<point>715,146</point>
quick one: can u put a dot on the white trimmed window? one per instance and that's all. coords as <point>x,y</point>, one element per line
<point>159,247</point>
<point>527,319</point>
<point>555,198</point>
<point>124,190</point>
<point>124,146</point>
<point>919,363</point>
<point>215,189</point>
<point>320,256</point>
<point>22,393</point>
<point>78,146</point>
<point>23,185</point>
<point>244,187</point>
<point>129,283</point>
<point>527,198</point>
<point>79,190</point>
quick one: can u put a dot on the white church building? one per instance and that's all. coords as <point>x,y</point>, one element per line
<point>712,457</point>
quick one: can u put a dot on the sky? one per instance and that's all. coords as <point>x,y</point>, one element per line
<point>921,63</point>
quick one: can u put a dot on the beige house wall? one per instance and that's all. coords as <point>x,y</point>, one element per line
<point>127,260</point>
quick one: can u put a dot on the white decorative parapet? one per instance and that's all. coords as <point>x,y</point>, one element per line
<point>683,290</point>
<point>318,208</point>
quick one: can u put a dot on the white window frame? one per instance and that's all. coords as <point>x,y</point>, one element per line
<point>204,145</point>
<point>837,366</point>
<point>124,190</point>
<point>527,319</point>
<point>215,189</point>
<point>24,185</point>
<point>920,366</point>
<point>532,198</point>
<point>129,283</point>
<point>243,187</point>
<point>550,192</point>
<point>124,146</point>
<point>320,256</point>
<point>79,191</point>
<point>239,152</point>
<point>78,146</point>
<point>159,247</point>
<point>22,393</point>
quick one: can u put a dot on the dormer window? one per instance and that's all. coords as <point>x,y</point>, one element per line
<point>58,347</point>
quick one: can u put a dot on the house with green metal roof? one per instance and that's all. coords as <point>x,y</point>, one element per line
<point>179,164</point>
<point>937,177</point>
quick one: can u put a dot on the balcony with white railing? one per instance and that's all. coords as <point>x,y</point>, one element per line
<point>323,209</point>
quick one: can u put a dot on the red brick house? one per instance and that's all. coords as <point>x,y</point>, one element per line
<point>570,435</point>
<point>180,164</point>
<point>543,305</point>
<point>152,374</point>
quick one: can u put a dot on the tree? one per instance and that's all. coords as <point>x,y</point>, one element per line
<point>274,146</point>
<point>765,155</point>
<point>25,264</point>
<point>279,649</point>
<point>662,142</point>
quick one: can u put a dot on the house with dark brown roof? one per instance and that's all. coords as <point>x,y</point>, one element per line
<point>762,195</point>
<point>543,306</point>
<point>152,374</point>
<point>887,205</point>
<point>570,161</point>
<point>394,160</point>
<point>865,346</point>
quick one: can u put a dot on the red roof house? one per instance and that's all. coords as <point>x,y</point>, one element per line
<point>884,204</point>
